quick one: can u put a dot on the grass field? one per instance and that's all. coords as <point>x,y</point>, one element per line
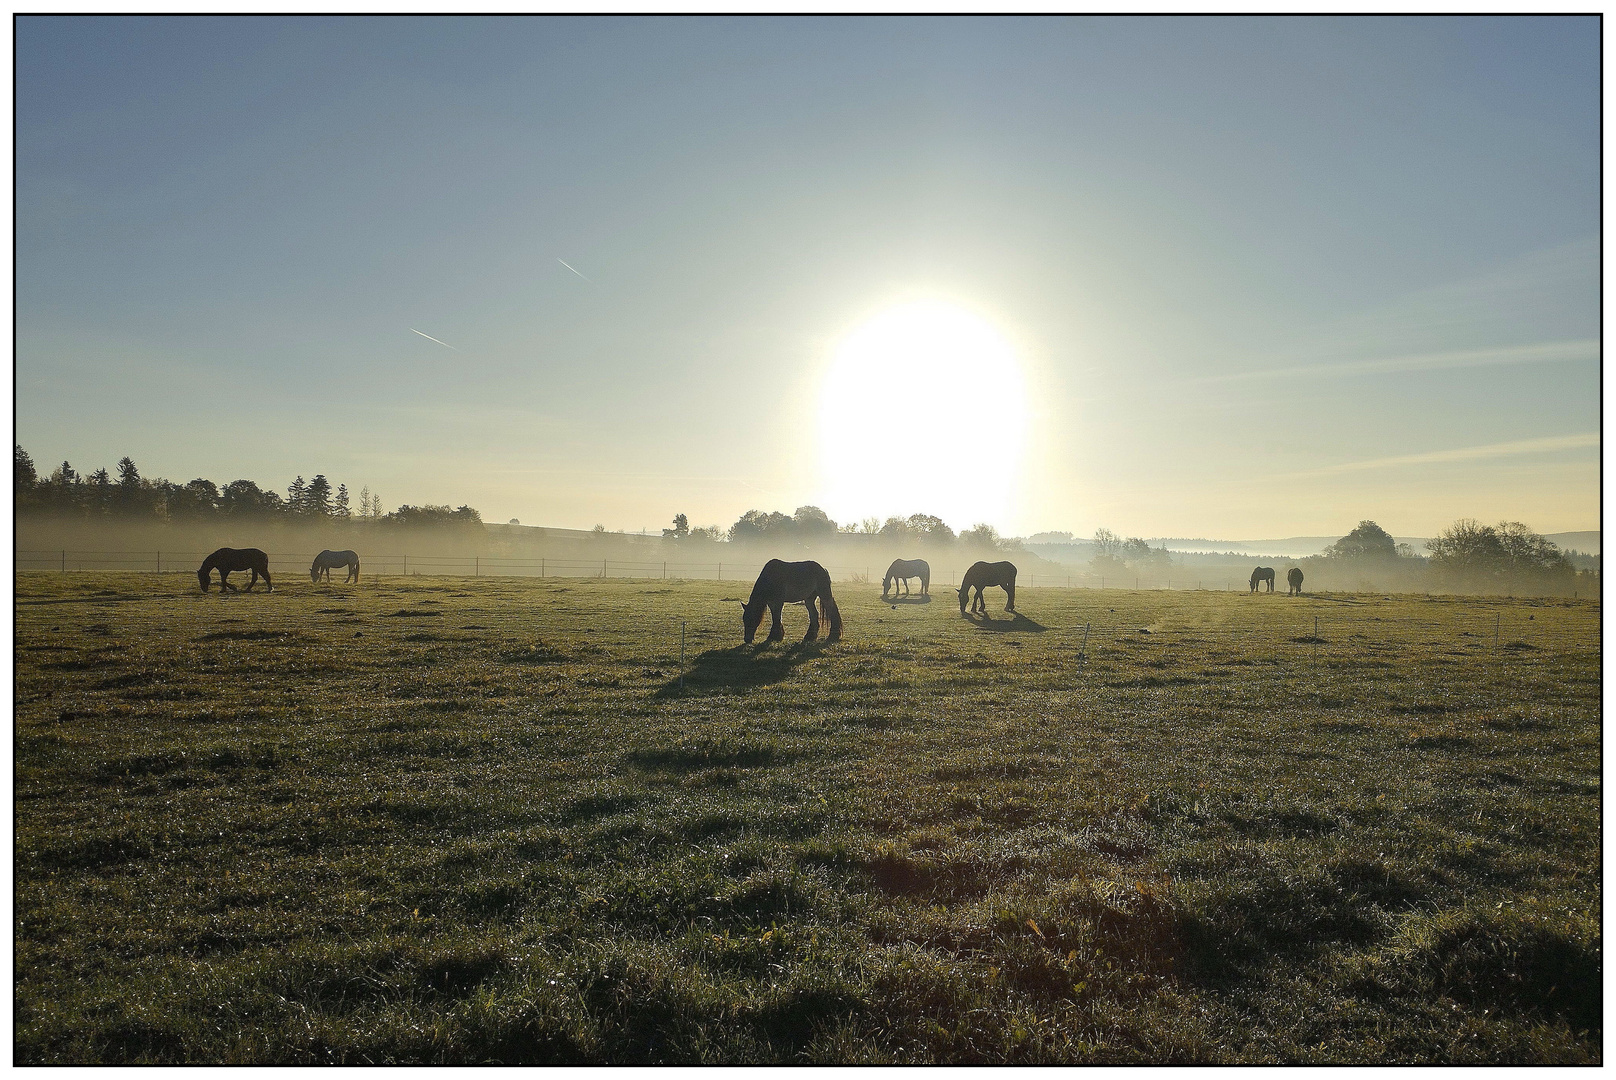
<point>454,820</point>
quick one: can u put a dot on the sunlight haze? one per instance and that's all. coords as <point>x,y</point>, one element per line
<point>1225,277</point>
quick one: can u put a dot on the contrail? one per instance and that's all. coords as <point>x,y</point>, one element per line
<point>429,337</point>
<point>1548,352</point>
<point>1465,453</point>
<point>564,262</point>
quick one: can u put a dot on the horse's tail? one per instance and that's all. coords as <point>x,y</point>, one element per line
<point>831,613</point>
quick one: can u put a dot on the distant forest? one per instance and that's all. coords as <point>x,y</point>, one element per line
<point>129,496</point>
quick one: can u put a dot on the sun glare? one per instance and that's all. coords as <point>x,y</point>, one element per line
<point>923,410</point>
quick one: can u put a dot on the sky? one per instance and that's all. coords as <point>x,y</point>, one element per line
<point>1218,277</point>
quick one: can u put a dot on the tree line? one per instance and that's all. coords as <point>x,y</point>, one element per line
<point>1466,556</point>
<point>126,494</point>
<point>810,525</point>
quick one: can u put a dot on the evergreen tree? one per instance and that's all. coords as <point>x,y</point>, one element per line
<point>128,474</point>
<point>23,474</point>
<point>100,500</point>
<point>339,507</point>
<point>296,496</point>
<point>317,497</point>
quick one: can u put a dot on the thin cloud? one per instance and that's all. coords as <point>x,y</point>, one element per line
<point>1548,352</point>
<point>1466,453</point>
<point>568,265</point>
<point>429,337</point>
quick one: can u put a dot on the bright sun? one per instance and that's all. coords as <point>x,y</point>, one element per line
<point>923,410</point>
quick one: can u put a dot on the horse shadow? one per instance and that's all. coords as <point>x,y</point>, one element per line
<point>906,599</point>
<point>1020,624</point>
<point>740,667</point>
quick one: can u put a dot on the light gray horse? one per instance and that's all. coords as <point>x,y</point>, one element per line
<point>324,561</point>
<point>904,569</point>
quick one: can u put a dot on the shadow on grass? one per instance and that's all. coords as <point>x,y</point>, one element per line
<point>898,600</point>
<point>741,667</point>
<point>1018,623</point>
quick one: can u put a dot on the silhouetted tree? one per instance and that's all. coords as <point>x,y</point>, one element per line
<point>199,498</point>
<point>98,498</point>
<point>1510,555</point>
<point>755,525</point>
<point>981,536</point>
<point>930,529</point>
<point>434,517</point>
<point>23,474</point>
<point>680,530</point>
<point>810,523</point>
<point>339,506</point>
<point>317,497</point>
<point>245,498</point>
<point>1367,541</point>
<point>296,495</point>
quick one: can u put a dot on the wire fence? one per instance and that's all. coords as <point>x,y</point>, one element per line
<point>67,560</point>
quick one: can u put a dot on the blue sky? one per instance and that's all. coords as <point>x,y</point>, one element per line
<point>1264,276</point>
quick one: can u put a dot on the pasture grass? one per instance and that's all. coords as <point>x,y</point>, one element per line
<point>463,820</point>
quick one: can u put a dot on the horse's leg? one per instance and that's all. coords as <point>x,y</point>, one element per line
<point>224,581</point>
<point>813,619</point>
<point>777,632</point>
<point>1010,592</point>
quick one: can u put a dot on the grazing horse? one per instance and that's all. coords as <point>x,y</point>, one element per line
<point>324,561</point>
<point>1293,578</point>
<point>1260,575</point>
<point>784,583</point>
<point>984,575</point>
<point>904,569</point>
<point>226,560</point>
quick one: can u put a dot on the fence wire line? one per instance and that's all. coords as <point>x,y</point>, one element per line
<point>407,565</point>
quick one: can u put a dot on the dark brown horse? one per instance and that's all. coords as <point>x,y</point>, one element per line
<point>227,560</point>
<point>985,575</point>
<point>1293,578</point>
<point>904,569</point>
<point>783,583</point>
<point>1260,575</point>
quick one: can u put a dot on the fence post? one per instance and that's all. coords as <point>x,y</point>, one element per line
<point>159,562</point>
<point>64,560</point>
<point>720,571</point>
<point>477,566</point>
<point>541,567</point>
<point>681,655</point>
<point>406,571</point>
<point>664,571</point>
<point>603,568</point>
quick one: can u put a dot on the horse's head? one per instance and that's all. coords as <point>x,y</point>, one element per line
<point>314,572</point>
<point>963,593</point>
<point>751,619</point>
<point>202,576</point>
